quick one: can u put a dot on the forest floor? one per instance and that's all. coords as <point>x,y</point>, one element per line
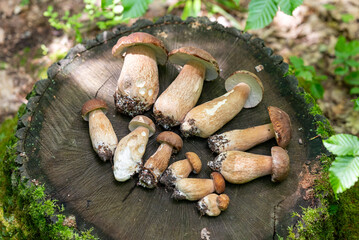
<point>29,45</point>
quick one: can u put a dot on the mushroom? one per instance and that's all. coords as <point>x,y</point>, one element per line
<point>244,139</point>
<point>103,137</point>
<point>207,118</point>
<point>182,95</point>
<point>130,149</point>
<point>181,169</point>
<point>158,162</point>
<point>138,86</point>
<point>241,167</point>
<point>213,204</point>
<point>194,189</point>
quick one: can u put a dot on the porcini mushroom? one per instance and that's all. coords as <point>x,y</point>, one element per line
<point>138,86</point>
<point>194,189</point>
<point>103,137</point>
<point>181,169</point>
<point>182,95</point>
<point>158,162</point>
<point>207,118</point>
<point>213,204</point>
<point>244,139</point>
<point>130,149</point>
<point>241,167</point>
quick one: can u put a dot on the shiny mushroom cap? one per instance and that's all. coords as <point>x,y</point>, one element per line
<point>280,164</point>
<point>281,125</point>
<point>142,38</point>
<point>223,202</point>
<point>255,84</point>
<point>184,54</point>
<point>92,105</point>
<point>195,161</point>
<point>219,183</point>
<point>172,139</point>
<point>142,121</point>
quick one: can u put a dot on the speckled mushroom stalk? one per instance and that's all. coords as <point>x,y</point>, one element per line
<point>193,189</point>
<point>181,169</point>
<point>182,95</point>
<point>241,167</point>
<point>130,149</point>
<point>213,204</point>
<point>207,118</point>
<point>103,137</point>
<point>171,143</point>
<point>138,86</point>
<point>244,139</point>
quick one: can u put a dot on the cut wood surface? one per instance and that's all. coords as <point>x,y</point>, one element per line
<point>56,150</point>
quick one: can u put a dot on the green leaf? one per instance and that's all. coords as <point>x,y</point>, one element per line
<point>343,173</point>
<point>352,63</point>
<point>261,13</point>
<point>297,62</point>
<point>347,18</point>
<point>106,3</point>
<point>341,70</point>
<point>288,6</point>
<point>196,7</point>
<point>356,104</point>
<point>187,10</point>
<point>343,144</point>
<point>352,78</point>
<point>317,90</point>
<point>134,8</point>
<point>329,7</point>
<point>237,2</point>
<point>308,76</point>
<point>354,90</point>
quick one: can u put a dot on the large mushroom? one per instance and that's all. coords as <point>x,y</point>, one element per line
<point>244,90</point>
<point>158,162</point>
<point>130,149</point>
<point>244,139</point>
<point>182,95</point>
<point>241,167</point>
<point>103,137</point>
<point>138,86</point>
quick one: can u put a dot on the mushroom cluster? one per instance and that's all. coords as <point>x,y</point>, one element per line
<point>137,90</point>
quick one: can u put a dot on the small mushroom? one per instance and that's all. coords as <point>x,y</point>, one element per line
<point>181,169</point>
<point>182,95</point>
<point>213,204</point>
<point>103,137</point>
<point>241,167</point>
<point>138,86</point>
<point>194,189</point>
<point>158,162</point>
<point>207,118</point>
<point>244,139</point>
<point>130,149</point>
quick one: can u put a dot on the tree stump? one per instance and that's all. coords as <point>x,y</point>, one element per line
<point>56,150</point>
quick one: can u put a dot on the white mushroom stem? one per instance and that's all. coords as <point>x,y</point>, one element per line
<point>129,152</point>
<point>181,96</point>
<point>139,79</point>
<point>208,117</point>
<point>241,139</point>
<point>103,137</point>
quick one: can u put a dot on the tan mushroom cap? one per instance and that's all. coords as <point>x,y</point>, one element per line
<point>281,126</point>
<point>142,121</point>
<point>170,138</point>
<point>91,105</point>
<point>142,38</point>
<point>280,164</point>
<point>195,161</point>
<point>219,183</point>
<point>182,55</point>
<point>252,80</point>
<point>223,201</point>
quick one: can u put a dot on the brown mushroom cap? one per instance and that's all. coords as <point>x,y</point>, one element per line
<point>142,121</point>
<point>141,38</point>
<point>280,164</point>
<point>182,55</point>
<point>219,183</point>
<point>195,161</point>
<point>243,76</point>
<point>223,201</point>
<point>91,105</point>
<point>172,139</point>
<point>281,125</point>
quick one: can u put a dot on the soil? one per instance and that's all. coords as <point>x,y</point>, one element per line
<point>29,45</point>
